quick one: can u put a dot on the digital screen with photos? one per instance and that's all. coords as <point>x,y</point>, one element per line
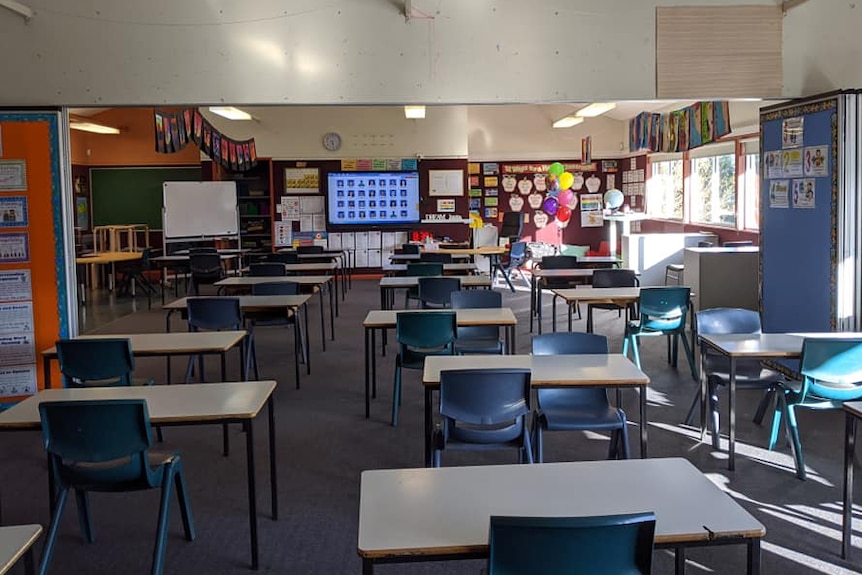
<point>372,198</point>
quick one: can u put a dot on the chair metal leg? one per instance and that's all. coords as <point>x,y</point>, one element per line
<point>540,444</point>
<point>51,539</point>
<point>764,404</point>
<point>183,499</point>
<point>396,392</point>
<point>713,415</point>
<point>624,440</point>
<point>162,529</point>
<point>84,516</point>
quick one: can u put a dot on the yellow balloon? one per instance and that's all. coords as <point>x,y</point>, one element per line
<point>566,180</point>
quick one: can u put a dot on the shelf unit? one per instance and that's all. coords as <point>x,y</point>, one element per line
<point>254,201</point>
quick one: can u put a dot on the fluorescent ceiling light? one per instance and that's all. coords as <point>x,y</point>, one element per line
<point>414,112</point>
<point>594,110</point>
<point>230,112</point>
<point>568,122</point>
<point>93,127</point>
<point>25,11</point>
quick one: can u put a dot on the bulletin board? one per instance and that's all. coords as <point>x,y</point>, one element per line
<point>798,216</point>
<point>34,269</point>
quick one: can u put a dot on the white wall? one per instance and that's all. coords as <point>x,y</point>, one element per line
<point>822,49</point>
<point>296,132</point>
<point>111,52</point>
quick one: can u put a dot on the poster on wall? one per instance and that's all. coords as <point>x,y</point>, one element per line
<point>283,233</point>
<point>13,212</point>
<point>803,193</point>
<point>19,380</point>
<point>791,163</point>
<point>446,182</point>
<point>16,349</point>
<point>773,164</point>
<point>15,285</point>
<point>14,248</point>
<point>301,181</point>
<point>815,162</point>
<point>791,132</point>
<point>779,194</point>
<point>446,206</point>
<point>591,210</point>
<point>13,175</point>
<point>82,221</point>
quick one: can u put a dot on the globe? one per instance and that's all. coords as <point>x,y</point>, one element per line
<point>614,199</point>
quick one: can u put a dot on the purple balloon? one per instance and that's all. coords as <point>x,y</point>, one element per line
<point>550,206</point>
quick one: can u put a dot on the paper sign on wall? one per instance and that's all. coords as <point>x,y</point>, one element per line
<point>444,206</point>
<point>446,182</point>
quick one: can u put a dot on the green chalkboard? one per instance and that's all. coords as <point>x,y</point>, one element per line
<point>133,195</point>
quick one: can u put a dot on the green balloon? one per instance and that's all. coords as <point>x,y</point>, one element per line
<point>556,169</point>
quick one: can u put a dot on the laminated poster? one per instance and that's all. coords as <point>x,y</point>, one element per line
<point>815,162</point>
<point>16,349</point>
<point>301,180</point>
<point>772,165</point>
<point>14,248</point>
<point>779,194</point>
<point>791,163</point>
<point>445,206</point>
<point>13,212</point>
<point>15,285</point>
<point>803,193</point>
<point>791,132</point>
<point>19,380</point>
<point>13,175</point>
<point>16,317</point>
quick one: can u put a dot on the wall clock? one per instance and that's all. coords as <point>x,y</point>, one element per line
<point>332,141</point>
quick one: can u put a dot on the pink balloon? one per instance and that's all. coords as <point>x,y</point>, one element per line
<point>565,197</point>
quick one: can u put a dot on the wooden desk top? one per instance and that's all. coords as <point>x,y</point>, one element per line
<point>249,302</point>
<point>188,403</point>
<point>174,343</point>
<point>252,280</point>
<point>600,295</point>
<point>15,540</point>
<point>480,280</point>
<point>405,512</point>
<point>466,267</point>
<point>109,257</point>
<point>609,370</point>
<point>379,319</point>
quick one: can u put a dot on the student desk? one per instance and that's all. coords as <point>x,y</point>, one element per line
<point>288,303</point>
<point>621,296</point>
<point>167,345</point>
<point>17,541</point>
<point>192,404</point>
<point>587,370</point>
<point>244,283</point>
<point>408,515</point>
<point>319,268</point>
<point>493,254</point>
<point>416,258</point>
<point>391,283</point>
<point>343,255</point>
<point>383,320</point>
<point>456,269</point>
<point>106,258</point>
<point>540,276</point>
<point>181,260</point>
<point>853,412</point>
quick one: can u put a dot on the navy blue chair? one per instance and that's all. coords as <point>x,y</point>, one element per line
<point>831,370</point>
<point>436,257</point>
<point>410,249</point>
<point>420,335</point>
<point>516,258</point>
<point>105,446</point>
<point>484,409</point>
<point>577,408</point>
<point>662,313</point>
<point>483,339</point>
<point>309,249</point>
<point>604,545</point>
<point>267,269</point>
<point>205,269</point>
<point>558,263</point>
<point>612,279</point>
<point>750,373</point>
<point>436,292</point>
<point>97,362</point>
<point>283,258</point>
<point>419,269</point>
<point>280,318</point>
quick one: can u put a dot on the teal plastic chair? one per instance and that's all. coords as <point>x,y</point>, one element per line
<point>420,335</point>
<point>603,545</point>
<point>662,313</point>
<point>436,292</point>
<point>97,362</point>
<point>831,370</point>
<point>420,270</point>
<point>484,409</point>
<point>83,457</point>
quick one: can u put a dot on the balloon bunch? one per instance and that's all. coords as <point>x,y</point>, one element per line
<point>561,200</point>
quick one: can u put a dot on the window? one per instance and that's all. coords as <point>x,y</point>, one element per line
<point>713,190</point>
<point>749,192</point>
<point>664,190</point>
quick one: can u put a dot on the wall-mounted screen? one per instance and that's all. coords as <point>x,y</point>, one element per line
<point>372,198</point>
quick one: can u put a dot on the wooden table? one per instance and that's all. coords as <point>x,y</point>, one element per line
<point>587,370</point>
<point>853,412</point>
<point>17,541</point>
<point>167,345</point>
<point>391,283</point>
<point>735,346</point>
<point>192,404</point>
<point>540,276</point>
<point>319,268</point>
<point>289,303</point>
<point>383,320</point>
<point>461,269</point>
<point>106,258</point>
<point>243,284</point>
<point>408,515</point>
<point>621,296</point>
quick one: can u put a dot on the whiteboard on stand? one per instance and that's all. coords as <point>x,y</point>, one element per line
<point>200,209</point>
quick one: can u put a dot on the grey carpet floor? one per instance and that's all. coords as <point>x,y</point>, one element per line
<point>324,443</point>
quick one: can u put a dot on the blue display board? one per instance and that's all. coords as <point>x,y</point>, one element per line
<point>799,189</point>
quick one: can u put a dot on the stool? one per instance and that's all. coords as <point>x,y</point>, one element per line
<point>673,272</point>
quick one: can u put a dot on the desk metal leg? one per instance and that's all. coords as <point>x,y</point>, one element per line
<point>679,560</point>
<point>368,350</point>
<point>297,348</point>
<point>273,473</point>
<point>703,392</point>
<point>731,409</point>
<point>322,321</point>
<point>847,516</point>
<point>429,426</point>
<point>46,367</point>
<point>307,344</point>
<point>643,398</point>
<point>754,556</point>
<point>539,307</point>
<point>532,300</point>
<point>29,564</point>
<point>332,303</point>
<point>374,363</point>
<point>367,567</point>
<point>252,492</point>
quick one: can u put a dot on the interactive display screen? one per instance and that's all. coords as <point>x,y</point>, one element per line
<point>372,198</point>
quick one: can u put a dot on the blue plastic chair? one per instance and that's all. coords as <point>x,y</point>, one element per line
<point>558,263</point>
<point>420,335</point>
<point>435,257</point>
<point>612,279</point>
<point>265,319</point>
<point>267,269</point>
<point>205,268</point>
<point>411,249</point>
<point>831,370</point>
<point>662,313</point>
<point>483,339</point>
<point>283,258</point>
<point>750,373</point>
<point>577,408</point>
<point>420,270</point>
<point>96,362</point>
<point>603,545</point>
<point>83,457</point>
<point>484,409</point>
<point>309,249</point>
<point>436,292</point>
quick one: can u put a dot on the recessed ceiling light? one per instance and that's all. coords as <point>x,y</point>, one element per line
<point>230,112</point>
<point>568,122</point>
<point>414,112</point>
<point>93,128</point>
<point>594,110</point>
